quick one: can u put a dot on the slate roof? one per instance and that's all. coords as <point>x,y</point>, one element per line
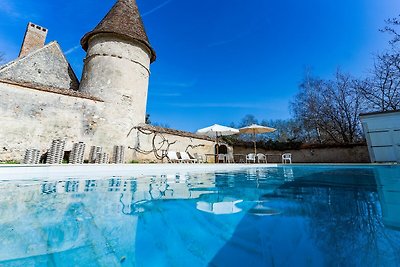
<point>60,91</point>
<point>123,19</point>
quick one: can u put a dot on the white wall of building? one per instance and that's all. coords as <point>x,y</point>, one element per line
<point>382,131</point>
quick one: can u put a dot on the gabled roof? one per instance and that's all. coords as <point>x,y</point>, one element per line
<point>46,67</point>
<point>123,19</point>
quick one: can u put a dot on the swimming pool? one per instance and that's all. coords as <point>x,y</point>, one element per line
<point>326,215</point>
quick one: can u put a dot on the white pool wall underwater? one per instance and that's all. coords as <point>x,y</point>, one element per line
<point>54,172</point>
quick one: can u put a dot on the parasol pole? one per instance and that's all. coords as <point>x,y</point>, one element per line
<point>255,142</point>
<point>217,148</point>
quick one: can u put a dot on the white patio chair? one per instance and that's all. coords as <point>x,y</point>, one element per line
<point>287,158</point>
<point>221,157</point>
<point>229,158</point>
<point>251,157</point>
<point>186,158</point>
<point>261,158</point>
<point>173,157</point>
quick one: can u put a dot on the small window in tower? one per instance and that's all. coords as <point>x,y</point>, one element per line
<point>44,30</point>
<point>32,25</point>
<point>38,27</point>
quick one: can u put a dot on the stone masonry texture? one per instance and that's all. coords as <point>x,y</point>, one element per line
<point>46,67</point>
<point>35,37</point>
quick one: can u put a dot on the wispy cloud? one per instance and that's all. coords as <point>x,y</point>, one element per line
<point>72,50</point>
<point>7,8</point>
<point>178,84</point>
<point>270,105</point>
<point>219,105</point>
<point>166,94</point>
<point>156,8</point>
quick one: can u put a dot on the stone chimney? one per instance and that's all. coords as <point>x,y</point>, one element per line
<point>35,37</point>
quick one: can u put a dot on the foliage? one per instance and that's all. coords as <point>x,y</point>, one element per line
<point>134,162</point>
<point>10,162</point>
<point>147,120</point>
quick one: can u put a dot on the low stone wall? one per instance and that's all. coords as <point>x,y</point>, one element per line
<point>152,143</point>
<point>353,154</point>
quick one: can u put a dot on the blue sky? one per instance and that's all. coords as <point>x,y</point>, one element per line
<point>220,60</point>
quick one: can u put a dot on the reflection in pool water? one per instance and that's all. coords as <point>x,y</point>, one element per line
<point>285,216</point>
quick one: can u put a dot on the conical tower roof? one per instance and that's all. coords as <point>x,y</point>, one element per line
<point>123,19</point>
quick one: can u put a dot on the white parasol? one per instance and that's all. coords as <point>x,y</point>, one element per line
<point>256,129</point>
<point>217,130</point>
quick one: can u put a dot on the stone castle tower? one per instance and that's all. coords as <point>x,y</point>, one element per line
<point>117,70</point>
<point>42,100</point>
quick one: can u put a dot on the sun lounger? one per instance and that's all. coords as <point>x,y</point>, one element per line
<point>198,157</point>
<point>186,158</point>
<point>173,157</point>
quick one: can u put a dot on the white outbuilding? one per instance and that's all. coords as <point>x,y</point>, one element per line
<point>382,131</point>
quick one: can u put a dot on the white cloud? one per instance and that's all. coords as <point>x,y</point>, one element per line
<point>156,8</point>
<point>72,50</point>
<point>7,8</point>
<point>179,84</point>
<point>166,94</point>
<point>219,105</point>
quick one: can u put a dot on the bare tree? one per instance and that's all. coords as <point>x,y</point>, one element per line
<point>390,28</point>
<point>382,88</point>
<point>286,131</point>
<point>329,108</point>
<point>248,120</point>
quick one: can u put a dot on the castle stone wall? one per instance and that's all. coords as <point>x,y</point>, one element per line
<point>32,119</point>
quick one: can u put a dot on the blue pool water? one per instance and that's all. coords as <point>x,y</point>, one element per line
<point>282,216</point>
